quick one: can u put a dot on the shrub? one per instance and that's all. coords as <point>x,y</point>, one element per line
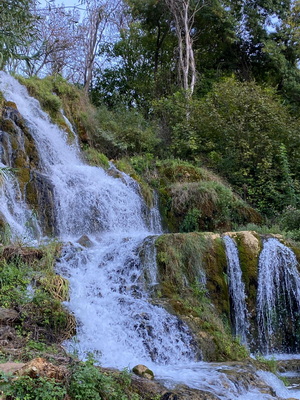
<point>40,388</point>
<point>88,383</point>
<point>245,133</point>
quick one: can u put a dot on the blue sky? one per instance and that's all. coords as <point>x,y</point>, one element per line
<point>67,3</point>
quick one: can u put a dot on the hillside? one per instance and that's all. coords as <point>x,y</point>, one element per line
<point>192,281</point>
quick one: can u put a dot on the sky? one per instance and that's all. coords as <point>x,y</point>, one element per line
<point>67,3</point>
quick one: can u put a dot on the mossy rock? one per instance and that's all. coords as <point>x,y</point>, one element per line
<point>182,260</point>
<point>215,264</point>
<point>124,165</point>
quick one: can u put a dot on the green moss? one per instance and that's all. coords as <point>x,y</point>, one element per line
<point>54,94</point>
<point>248,256</point>
<point>182,261</point>
<point>216,268</point>
<point>96,158</point>
<point>42,314</point>
<point>125,165</point>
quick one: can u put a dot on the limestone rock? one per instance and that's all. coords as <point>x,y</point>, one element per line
<point>10,367</point>
<point>143,371</point>
<point>8,315</point>
<point>40,367</point>
<point>248,238</point>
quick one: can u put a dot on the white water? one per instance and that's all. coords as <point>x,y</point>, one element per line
<point>278,295</point>
<point>236,290</point>
<point>108,280</point>
<point>108,295</point>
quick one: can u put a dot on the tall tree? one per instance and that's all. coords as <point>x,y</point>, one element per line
<point>57,43</point>
<point>97,17</point>
<point>184,12</point>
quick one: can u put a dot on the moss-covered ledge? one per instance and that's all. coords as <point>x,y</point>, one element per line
<point>193,285</point>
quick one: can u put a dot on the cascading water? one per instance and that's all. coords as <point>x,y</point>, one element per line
<point>21,223</point>
<point>113,270</point>
<point>236,290</point>
<point>278,298</point>
<point>108,297</point>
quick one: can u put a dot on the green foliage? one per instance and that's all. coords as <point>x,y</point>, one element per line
<point>141,67</point>
<point>207,205</point>
<point>244,133</point>
<point>36,291</point>
<point>88,383</point>
<point>40,388</point>
<point>190,222</point>
<point>96,158</point>
<point>267,364</point>
<point>125,132</point>
<point>17,30</point>
<point>14,279</point>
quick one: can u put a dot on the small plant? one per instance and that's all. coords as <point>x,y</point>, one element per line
<point>27,388</point>
<point>89,383</point>
<point>191,221</point>
<point>268,364</point>
<point>96,158</point>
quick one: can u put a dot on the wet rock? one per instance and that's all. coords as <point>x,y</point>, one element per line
<point>288,365</point>
<point>40,195</point>
<point>248,238</point>
<point>85,241</point>
<point>185,393</point>
<point>40,367</point>
<point>143,371</point>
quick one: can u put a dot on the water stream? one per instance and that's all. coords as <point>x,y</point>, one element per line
<point>278,298</point>
<point>236,290</point>
<point>112,276</point>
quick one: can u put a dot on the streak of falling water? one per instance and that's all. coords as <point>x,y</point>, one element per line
<point>278,298</point>
<point>236,290</point>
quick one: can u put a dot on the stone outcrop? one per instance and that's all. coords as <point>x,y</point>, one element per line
<point>8,315</point>
<point>143,371</point>
<point>39,367</point>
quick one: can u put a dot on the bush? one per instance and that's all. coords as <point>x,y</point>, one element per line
<point>290,219</point>
<point>125,132</point>
<point>27,388</point>
<point>88,383</point>
<point>245,133</point>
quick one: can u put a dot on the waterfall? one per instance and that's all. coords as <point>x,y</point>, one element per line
<point>112,272</point>
<point>236,290</point>
<point>21,223</point>
<point>109,294</point>
<point>278,298</point>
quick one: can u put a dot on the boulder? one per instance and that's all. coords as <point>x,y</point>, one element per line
<point>40,367</point>
<point>10,367</point>
<point>8,315</point>
<point>143,371</point>
<point>85,241</point>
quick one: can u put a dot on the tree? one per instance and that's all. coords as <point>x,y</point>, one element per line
<point>184,12</point>
<point>246,134</point>
<point>98,15</point>
<point>16,29</point>
<point>58,43</point>
<point>141,65</point>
